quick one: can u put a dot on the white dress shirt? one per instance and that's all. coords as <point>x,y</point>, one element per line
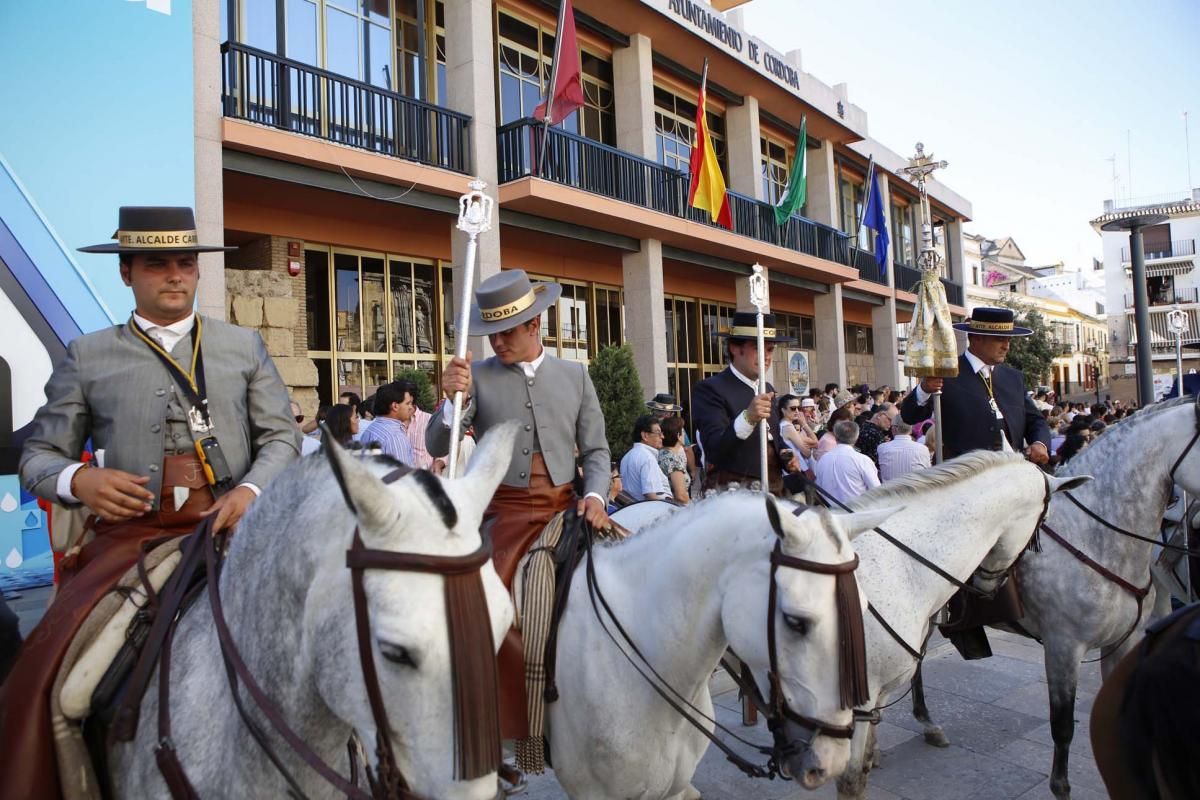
<point>741,426</point>
<point>901,456</point>
<point>846,473</point>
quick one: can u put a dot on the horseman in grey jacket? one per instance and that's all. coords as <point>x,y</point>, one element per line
<point>138,392</point>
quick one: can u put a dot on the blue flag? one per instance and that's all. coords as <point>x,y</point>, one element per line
<point>876,220</point>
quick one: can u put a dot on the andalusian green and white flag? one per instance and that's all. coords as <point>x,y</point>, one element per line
<point>797,187</point>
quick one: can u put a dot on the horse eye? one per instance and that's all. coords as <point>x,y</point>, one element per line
<point>797,624</point>
<point>397,654</point>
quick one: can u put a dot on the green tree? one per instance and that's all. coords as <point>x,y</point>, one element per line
<point>426,398</point>
<point>620,393</point>
<point>1034,354</point>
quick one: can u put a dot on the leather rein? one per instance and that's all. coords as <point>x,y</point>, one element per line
<point>777,710</point>
<point>386,782</point>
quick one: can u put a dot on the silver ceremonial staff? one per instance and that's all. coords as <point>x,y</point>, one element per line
<point>758,297</point>
<point>474,217</point>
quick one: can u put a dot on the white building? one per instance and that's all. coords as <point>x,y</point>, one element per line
<point>1171,281</point>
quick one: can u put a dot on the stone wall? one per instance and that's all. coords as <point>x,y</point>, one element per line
<point>860,369</point>
<point>261,295</point>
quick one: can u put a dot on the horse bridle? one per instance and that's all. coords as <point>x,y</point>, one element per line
<point>475,717</point>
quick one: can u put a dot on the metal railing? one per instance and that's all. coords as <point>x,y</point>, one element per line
<point>907,277</point>
<point>1180,247</point>
<point>261,87</point>
<point>954,292</point>
<point>1161,335</point>
<point>868,267</point>
<point>1183,296</point>
<point>581,163</point>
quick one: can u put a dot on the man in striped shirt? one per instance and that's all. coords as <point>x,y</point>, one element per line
<point>901,455</point>
<point>393,412</point>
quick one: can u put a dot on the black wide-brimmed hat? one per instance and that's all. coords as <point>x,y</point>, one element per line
<point>992,322</point>
<point>506,300</point>
<point>156,229</point>
<point>745,326</point>
<point>665,402</point>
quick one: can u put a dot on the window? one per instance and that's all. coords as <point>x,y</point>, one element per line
<point>800,328</point>
<point>850,204</point>
<point>525,61</point>
<point>903,249</point>
<point>683,366</point>
<point>586,317</point>
<point>859,340</point>
<point>776,166</point>
<point>675,130</point>
<point>610,325</point>
<point>373,314</point>
<point>408,50</point>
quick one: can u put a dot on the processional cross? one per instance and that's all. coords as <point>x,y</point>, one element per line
<point>919,168</point>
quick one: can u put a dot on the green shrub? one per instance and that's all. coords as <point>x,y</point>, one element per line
<point>620,393</point>
<point>426,398</point>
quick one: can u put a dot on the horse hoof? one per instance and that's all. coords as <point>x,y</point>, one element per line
<point>936,737</point>
<point>1061,789</point>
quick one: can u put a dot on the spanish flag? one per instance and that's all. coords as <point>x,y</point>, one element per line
<point>707,187</point>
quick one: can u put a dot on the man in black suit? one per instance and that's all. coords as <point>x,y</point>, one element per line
<point>727,408</point>
<point>984,407</point>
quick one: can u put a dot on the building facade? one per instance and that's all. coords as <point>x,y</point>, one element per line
<point>997,275</point>
<point>1171,283</point>
<point>335,136</point>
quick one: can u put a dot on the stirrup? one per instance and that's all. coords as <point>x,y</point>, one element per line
<point>942,615</point>
<point>517,784</point>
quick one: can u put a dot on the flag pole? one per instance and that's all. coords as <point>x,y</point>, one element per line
<point>558,40</point>
<point>867,189</point>
<point>474,217</point>
<point>758,297</point>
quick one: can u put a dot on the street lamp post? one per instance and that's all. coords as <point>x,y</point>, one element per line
<point>1141,302</point>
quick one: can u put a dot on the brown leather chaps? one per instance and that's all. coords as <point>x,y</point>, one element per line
<point>26,738</point>
<point>515,518</point>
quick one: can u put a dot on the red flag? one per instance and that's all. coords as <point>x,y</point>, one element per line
<point>707,187</point>
<point>566,90</point>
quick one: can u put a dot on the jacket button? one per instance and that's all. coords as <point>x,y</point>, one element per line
<point>160,392</point>
<point>528,427</point>
<point>522,474</point>
<point>154,467</point>
<point>530,383</point>
<point>525,452</point>
<point>155,428</point>
<point>529,405</point>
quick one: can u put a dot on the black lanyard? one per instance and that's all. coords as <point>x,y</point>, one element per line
<point>191,382</point>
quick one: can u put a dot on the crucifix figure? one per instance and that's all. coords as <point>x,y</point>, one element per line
<point>920,166</point>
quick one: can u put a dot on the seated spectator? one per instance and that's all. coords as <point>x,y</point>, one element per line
<point>672,459</point>
<point>844,472</point>
<point>901,455</point>
<point>640,473</point>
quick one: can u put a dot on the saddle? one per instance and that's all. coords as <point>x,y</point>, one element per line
<point>969,614</point>
<point>106,670</point>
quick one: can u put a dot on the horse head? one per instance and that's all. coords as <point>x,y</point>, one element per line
<point>413,619</point>
<point>806,676</point>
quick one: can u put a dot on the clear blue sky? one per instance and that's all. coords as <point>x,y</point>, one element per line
<point>1026,100</point>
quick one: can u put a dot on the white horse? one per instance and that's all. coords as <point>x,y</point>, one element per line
<point>286,592</point>
<point>686,588</point>
<point>972,516</point>
<point>1068,605</point>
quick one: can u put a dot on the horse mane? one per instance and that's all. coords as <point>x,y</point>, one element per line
<point>959,469</point>
<point>1110,442</point>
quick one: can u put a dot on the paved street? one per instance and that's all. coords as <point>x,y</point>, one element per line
<point>994,711</point>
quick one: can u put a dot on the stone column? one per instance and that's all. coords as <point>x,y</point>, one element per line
<point>830,334</point>
<point>633,89</point>
<point>471,89</point>
<point>745,151</point>
<point>206,106</point>
<point>822,186</point>
<point>883,333</point>
<point>955,252</point>
<point>645,320</point>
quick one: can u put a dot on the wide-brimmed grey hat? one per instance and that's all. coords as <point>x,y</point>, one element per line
<point>155,229</point>
<point>506,300</point>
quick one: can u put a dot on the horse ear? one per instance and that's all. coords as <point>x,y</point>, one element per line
<point>360,488</point>
<point>860,522</point>
<point>490,460</point>
<point>773,516</point>
<point>1066,484</point>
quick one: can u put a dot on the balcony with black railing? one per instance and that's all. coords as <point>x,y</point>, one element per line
<point>262,87</point>
<point>581,163</point>
<point>907,277</point>
<point>954,292</point>
<point>1182,296</point>
<point>1176,249</point>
